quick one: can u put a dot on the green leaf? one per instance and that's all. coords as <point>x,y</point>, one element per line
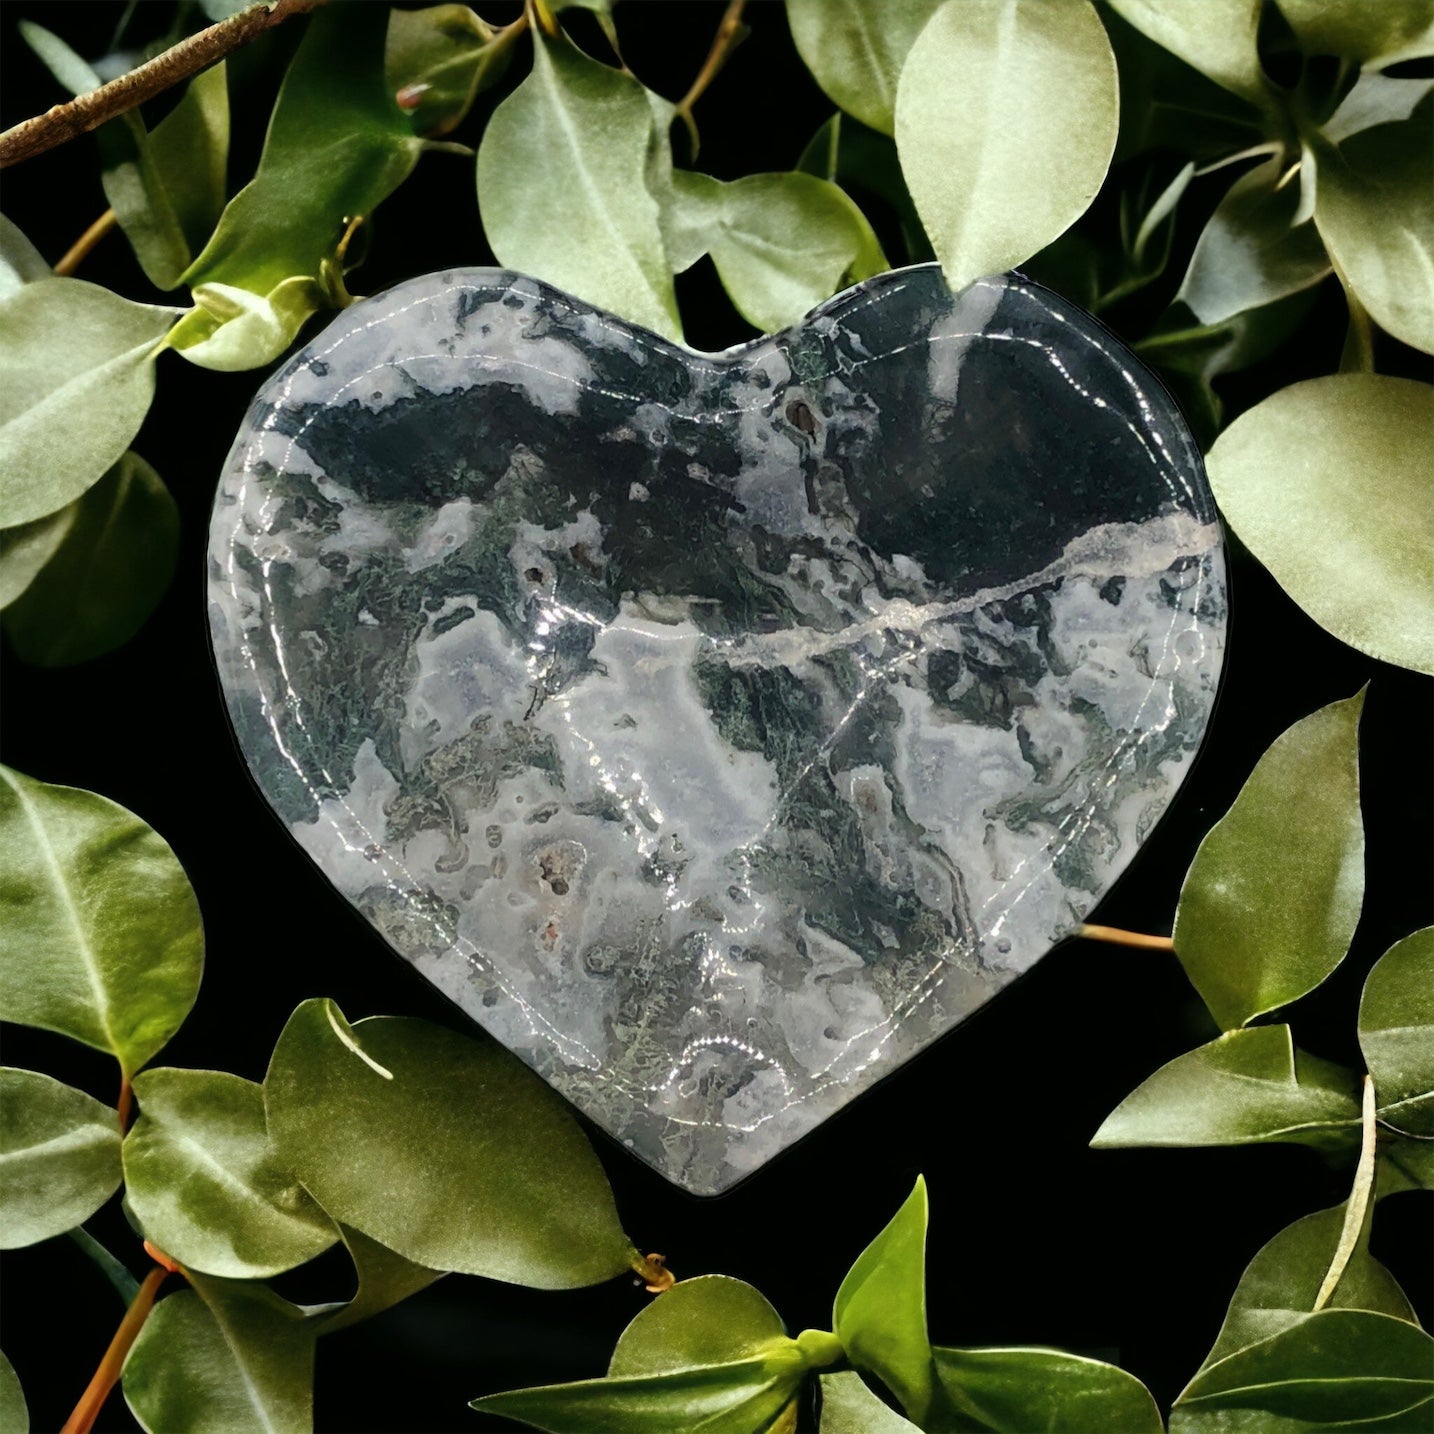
<point>1336,1368</point>
<point>223,1356</point>
<point>1271,900</point>
<point>14,1413</point>
<point>864,162</point>
<point>562,186</point>
<point>99,931</point>
<point>76,378</point>
<point>59,1157</point>
<point>711,1353</point>
<point>167,188</point>
<point>1243,1088</point>
<point>1375,99</point>
<point>1374,35</point>
<point>25,550</point>
<point>1216,37</point>
<point>849,1407</point>
<point>1328,485</point>
<point>1374,207</point>
<point>1014,1391</point>
<point>1280,1285</point>
<point>75,74</point>
<point>880,1309</point>
<point>1252,252</point>
<point>384,1280</point>
<point>20,261</point>
<point>457,1126</point>
<point>437,61</point>
<point>782,243</point>
<point>107,573</point>
<point>205,1182</point>
<point>996,176</point>
<point>855,50</point>
<point>1403,1163</point>
<point>1396,1033</point>
<point>338,145</point>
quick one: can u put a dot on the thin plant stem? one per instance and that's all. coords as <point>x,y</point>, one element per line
<point>110,1367</point>
<point>75,254</point>
<point>730,33</point>
<point>125,1103</point>
<point>1117,937</point>
<point>86,112</point>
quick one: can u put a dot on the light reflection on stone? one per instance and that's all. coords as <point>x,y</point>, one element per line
<point>717,731</point>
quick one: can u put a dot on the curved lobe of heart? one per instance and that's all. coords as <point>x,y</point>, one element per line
<point>717,730</point>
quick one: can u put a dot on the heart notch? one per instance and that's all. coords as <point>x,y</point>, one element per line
<point>717,730</point>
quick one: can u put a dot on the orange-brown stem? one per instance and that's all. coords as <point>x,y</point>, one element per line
<point>125,1104</point>
<point>108,1373</point>
<point>1117,937</point>
<point>730,33</point>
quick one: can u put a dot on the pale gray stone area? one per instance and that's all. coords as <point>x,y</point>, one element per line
<point>717,731</point>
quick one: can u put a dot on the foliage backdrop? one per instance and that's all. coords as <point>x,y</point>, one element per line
<point>1035,1237</point>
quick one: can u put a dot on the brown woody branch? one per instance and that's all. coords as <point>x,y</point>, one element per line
<point>179,62</point>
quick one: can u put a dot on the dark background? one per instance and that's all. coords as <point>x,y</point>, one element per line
<point>1035,1239</point>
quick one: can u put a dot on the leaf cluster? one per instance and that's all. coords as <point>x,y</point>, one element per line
<point>422,1150</point>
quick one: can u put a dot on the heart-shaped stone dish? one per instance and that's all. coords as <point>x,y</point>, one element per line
<point>717,730</point>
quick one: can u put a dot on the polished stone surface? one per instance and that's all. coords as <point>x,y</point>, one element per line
<point>717,731</point>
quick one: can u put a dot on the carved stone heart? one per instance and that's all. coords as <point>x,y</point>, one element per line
<point>717,730</point>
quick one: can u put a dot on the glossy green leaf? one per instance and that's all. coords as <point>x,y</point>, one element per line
<point>437,61</point>
<point>167,187</point>
<point>864,163</point>
<point>20,261</point>
<point>782,243</point>
<point>100,936</point>
<point>712,1319</point>
<point>1374,207</point>
<point>1328,482</point>
<point>1396,1033</point>
<point>25,550</point>
<point>1403,1163</point>
<point>113,563</point>
<point>1014,1391</point>
<point>849,1407</point>
<point>1191,357</point>
<point>338,145</point>
<point>1372,34</point>
<point>711,1353</point>
<point>1252,252</point>
<point>563,187</point>
<point>14,1413</point>
<point>880,1309</point>
<point>206,1184</point>
<point>1334,1369</point>
<point>59,1157</point>
<point>384,1280</point>
<point>76,378</point>
<point>75,74</point>
<point>1280,1285</point>
<point>1271,900</point>
<point>1216,37</point>
<point>1246,1087</point>
<point>1376,99</point>
<point>855,50</point>
<point>222,1356</point>
<point>1165,104</point>
<point>996,177</point>
<point>485,1170</point>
